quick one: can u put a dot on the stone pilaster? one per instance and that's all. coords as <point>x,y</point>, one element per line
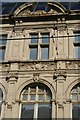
<point>10,99</point>
<point>60,79</point>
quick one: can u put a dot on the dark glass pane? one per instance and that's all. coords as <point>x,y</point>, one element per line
<point>45,38</point>
<point>48,97</point>
<point>32,97</point>
<point>76,111</point>
<point>77,52</point>
<point>41,97</point>
<point>74,96</point>
<point>33,53</point>
<point>2,52</point>
<point>25,97</point>
<point>27,111</point>
<point>3,40</point>
<point>77,38</point>
<point>44,53</point>
<point>34,38</point>
<point>44,111</point>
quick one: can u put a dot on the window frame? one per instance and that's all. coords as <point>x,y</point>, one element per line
<point>76,44</point>
<point>76,101</point>
<point>39,44</point>
<point>36,102</point>
<point>3,46</point>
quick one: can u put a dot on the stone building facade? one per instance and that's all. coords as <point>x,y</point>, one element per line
<point>40,61</point>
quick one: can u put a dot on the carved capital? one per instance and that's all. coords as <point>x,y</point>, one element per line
<point>59,73</point>
<point>12,77</point>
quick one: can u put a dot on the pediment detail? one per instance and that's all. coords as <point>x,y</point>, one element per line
<point>34,10</point>
<point>37,13</point>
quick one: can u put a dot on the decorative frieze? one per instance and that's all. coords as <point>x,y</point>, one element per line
<point>72,64</point>
<point>38,12</point>
<point>37,66</point>
<point>4,67</point>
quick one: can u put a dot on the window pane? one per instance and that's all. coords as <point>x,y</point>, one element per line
<point>25,97</point>
<point>77,52</point>
<point>41,97</point>
<point>74,96</point>
<point>33,53</point>
<point>27,111</point>
<point>48,97</point>
<point>45,38</point>
<point>44,53</point>
<point>3,40</point>
<point>32,97</point>
<point>34,38</point>
<point>76,111</point>
<point>2,52</point>
<point>44,111</point>
<point>77,38</point>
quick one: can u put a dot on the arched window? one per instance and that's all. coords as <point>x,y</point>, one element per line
<point>36,102</point>
<point>1,98</point>
<point>75,95</point>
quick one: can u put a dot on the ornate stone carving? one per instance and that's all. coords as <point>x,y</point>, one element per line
<point>12,77</point>
<point>38,12</point>
<point>4,67</point>
<point>72,65</point>
<point>59,73</point>
<point>16,34</point>
<point>36,77</point>
<point>37,66</point>
<point>9,106</point>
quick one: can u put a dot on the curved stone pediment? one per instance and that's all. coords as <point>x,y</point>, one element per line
<point>26,10</point>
